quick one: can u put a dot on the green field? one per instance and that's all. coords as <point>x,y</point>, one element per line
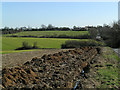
<point>49,33</point>
<point>11,43</point>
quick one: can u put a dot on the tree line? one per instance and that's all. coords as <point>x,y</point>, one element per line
<point>110,34</point>
<point>7,30</point>
<point>50,27</point>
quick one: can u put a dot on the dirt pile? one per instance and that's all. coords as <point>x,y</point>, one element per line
<point>59,70</point>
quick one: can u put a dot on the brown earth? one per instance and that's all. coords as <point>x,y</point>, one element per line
<point>16,59</point>
<point>56,69</point>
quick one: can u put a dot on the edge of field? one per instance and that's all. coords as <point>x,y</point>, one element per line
<point>108,69</point>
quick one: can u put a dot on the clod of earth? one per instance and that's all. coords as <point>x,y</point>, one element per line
<point>59,70</point>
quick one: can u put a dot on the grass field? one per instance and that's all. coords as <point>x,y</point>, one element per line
<point>49,33</point>
<point>11,43</point>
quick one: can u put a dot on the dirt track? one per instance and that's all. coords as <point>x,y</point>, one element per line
<point>15,59</point>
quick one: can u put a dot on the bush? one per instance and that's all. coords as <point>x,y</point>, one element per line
<point>78,44</point>
<point>26,46</point>
<point>86,36</point>
<point>93,33</point>
<point>35,45</point>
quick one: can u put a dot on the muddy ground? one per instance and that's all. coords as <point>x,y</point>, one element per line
<point>16,59</point>
<point>89,81</point>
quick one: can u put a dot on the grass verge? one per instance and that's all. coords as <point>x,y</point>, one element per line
<point>108,75</point>
<point>16,51</point>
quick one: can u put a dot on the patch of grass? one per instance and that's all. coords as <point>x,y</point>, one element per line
<point>52,34</point>
<point>109,75</point>
<point>11,43</point>
<point>110,54</point>
<point>114,56</point>
<point>15,51</point>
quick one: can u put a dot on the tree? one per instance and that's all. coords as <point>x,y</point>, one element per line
<point>111,35</point>
<point>74,27</point>
<point>50,26</point>
<point>43,26</point>
<point>93,33</point>
<point>6,28</point>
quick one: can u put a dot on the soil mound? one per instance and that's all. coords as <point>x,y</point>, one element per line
<point>58,70</point>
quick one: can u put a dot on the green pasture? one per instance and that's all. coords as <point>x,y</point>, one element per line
<point>49,33</point>
<point>9,44</point>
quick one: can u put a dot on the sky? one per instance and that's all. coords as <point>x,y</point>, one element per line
<point>59,0</point>
<point>119,10</point>
<point>65,14</point>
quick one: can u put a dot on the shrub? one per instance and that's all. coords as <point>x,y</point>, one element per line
<point>35,45</point>
<point>78,44</point>
<point>26,46</point>
<point>86,36</point>
<point>93,33</point>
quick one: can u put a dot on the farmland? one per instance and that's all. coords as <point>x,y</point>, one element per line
<point>11,43</point>
<point>97,76</point>
<point>52,45</point>
<point>50,33</point>
<point>49,45</point>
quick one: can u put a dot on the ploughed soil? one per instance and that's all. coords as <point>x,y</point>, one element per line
<point>52,69</point>
<point>16,59</point>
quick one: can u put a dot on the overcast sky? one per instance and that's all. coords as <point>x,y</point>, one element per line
<point>33,14</point>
